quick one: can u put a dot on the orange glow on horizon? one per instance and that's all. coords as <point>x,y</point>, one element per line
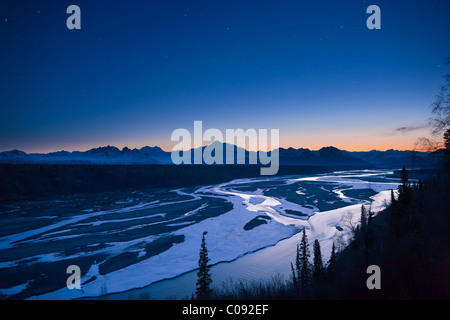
<point>168,147</point>
<point>341,141</point>
<point>357,147</point>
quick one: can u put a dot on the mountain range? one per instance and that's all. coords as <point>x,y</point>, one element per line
<point>290,156</point>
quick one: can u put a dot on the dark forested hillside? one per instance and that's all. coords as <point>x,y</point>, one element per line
<point>33,181</point>
<point>408,241</point>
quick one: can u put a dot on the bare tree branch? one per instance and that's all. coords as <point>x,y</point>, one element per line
<point>440,121</point>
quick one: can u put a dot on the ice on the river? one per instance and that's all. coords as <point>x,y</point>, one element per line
<point>226,238</point>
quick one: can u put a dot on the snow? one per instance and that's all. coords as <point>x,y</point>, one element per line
<point>7,242</point>
<point>14,290</point>
<point>180,224</point>
<point>226,238</point>
<point>192,212</point>
<point>341,195</point>
<point>98,223</point>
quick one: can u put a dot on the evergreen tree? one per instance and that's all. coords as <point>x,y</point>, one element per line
<point>296,272</point>
<point>447,145</point>
<point>392,198</point>
<point>363,219</point>
<point>294,277</point>
<point>404,188</point>
<point>393,211</point>
<point>318,264</point>
<point>297,262</point>
<point>370,215</point>
<point>305,270</point>
<point>204,280</point>
<point>404,177</point>
<point>370,235</point>
<point>447,140</point>
<point>332,262</point>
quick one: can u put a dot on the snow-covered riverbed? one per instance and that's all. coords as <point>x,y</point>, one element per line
<point>254,223</point>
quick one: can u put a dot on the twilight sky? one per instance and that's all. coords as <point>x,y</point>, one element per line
<point>137,70</point>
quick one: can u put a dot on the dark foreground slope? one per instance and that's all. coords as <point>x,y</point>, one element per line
<point>409,241</point>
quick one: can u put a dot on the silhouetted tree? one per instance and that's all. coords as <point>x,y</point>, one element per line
<point>302,272</point>
<point>393,201</point>
<point>404,190</point>
<point>298,265</point>
<point>441,107</point>
<point>305,270</point>
<point>318,264</point>
<point>204,280</point>
<point>363,219</point>
<point>332,262</point>
<point>447,140</point>
<point>440,121</point>
<point>447,147</point>
<point>294,277</point>
<point>370,215</point>
<point>420,185</point>
<point>370,232</point>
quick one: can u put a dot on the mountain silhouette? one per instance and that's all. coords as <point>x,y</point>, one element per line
<point>155,155</point>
